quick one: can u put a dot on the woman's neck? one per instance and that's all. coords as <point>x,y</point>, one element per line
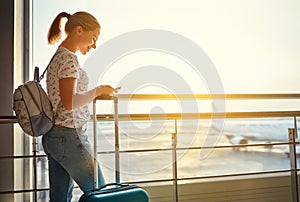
<point>68,44</point>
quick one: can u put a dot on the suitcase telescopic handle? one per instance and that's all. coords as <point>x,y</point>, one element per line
<point>112,184</point>
<point>107,97</point>
<point>117,149</point>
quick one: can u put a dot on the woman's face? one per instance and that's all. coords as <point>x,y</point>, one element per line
<point>87,40</point>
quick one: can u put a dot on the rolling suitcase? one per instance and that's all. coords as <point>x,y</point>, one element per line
<point>114,192</point>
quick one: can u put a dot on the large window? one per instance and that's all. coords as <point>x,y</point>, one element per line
<point>253,44</point>
<point>190,47</point>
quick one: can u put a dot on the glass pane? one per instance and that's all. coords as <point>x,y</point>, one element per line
<point>259,129</point>
<point>230,161</point>
<point>142,166</point>
<point>42,173</point>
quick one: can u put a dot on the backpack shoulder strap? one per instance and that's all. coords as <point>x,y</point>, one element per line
<point>43,74</point>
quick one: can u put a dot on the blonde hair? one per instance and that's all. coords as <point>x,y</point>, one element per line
<point>87,21</point>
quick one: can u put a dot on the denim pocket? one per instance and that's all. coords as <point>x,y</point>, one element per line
<point>56,147</point>
<point>84,143</point>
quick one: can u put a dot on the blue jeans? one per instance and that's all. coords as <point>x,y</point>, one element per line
<point>70,158</point>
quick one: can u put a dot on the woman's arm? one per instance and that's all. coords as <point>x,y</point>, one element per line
<point>71,99</point>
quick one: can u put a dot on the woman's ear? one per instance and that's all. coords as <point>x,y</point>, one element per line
<point>78,30</point>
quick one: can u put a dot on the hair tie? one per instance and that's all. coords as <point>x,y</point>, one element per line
<point>68,15</point>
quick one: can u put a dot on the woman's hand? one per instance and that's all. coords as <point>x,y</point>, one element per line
<point>104,90</point>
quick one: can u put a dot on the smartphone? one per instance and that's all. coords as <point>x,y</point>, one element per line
<point>117,88</point>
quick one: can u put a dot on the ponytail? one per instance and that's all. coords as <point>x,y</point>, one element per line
<point>87,21</point>
<point>54,32</point>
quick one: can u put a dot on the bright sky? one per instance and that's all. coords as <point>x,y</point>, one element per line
<point>253,44</point>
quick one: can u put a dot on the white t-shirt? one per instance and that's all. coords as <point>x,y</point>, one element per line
<point>65,65</point>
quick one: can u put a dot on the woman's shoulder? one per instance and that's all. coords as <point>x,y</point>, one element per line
<point>64,57</point>
<point>64,53</point>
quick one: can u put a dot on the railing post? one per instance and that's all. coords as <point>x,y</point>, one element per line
<point>117,144</point>
<point>95,144</point>
<point>174,166</point>
<point>34,145</point>
<point>293,161</point>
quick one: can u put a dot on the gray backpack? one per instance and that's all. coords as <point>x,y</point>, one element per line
<point>32,107</point>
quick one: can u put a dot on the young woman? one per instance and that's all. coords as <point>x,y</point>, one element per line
<point>66,145</point>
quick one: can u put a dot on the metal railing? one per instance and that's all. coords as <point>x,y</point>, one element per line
<point>179,116</point>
